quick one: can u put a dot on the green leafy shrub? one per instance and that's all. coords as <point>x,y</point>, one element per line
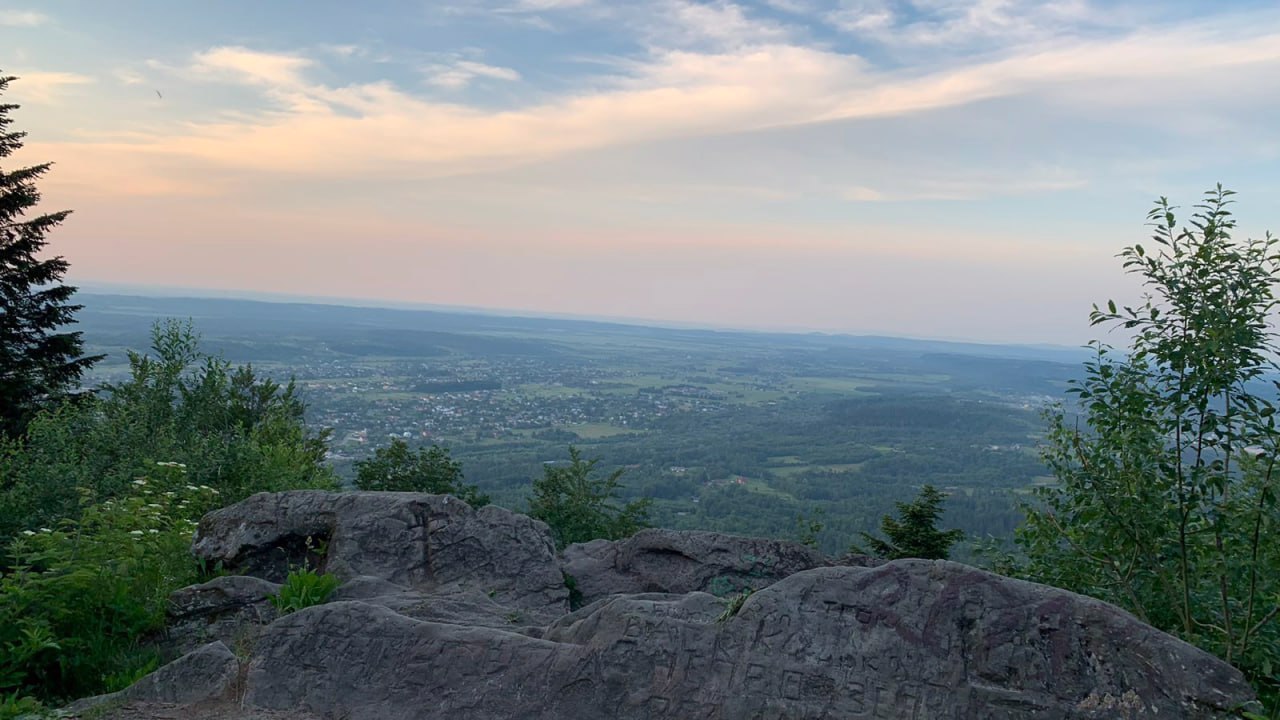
<point>79,599</point>
<point>14,705</point>
<point>95,535</point>
<point>429,470</point>
<point>1166,494</point>
<point>303,588</point>
<point>579,508</point>
<point>233,431</point>
<point>305,585</point>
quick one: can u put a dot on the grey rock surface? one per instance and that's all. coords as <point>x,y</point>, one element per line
<point>905,640</point>
<point>417,541</point>
<point>454,603</point>
<point>231,609</point>
<point>205,675</point>
<point>911,639</point>
<point>676,561</point>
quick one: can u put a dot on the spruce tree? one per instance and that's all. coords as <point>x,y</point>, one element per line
<point>38,363</point>
<point>914,533</point>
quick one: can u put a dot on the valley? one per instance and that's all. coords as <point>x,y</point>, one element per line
<point>753,433</point>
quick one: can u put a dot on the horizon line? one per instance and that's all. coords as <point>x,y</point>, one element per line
<point>101,287</point>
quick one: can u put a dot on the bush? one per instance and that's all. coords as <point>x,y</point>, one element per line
<point>80,598</point>
<point>234,432</point>
<point>14,705</point>
<point>302,589</point>
<point>579,507</point>
<point>430,470</point>
<point>95,534</point>
<point>1166,497</point>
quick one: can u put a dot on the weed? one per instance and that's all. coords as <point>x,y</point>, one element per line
<point>733,605</point>
<point>16,705</point>
<point>302,589</point>
<point>575,595</point>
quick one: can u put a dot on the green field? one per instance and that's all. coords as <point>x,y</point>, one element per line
<point>596,431</point>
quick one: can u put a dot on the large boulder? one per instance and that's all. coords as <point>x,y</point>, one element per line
<point>412,540</point>
<point>204,676</point>
<point>416,632</point>
<point>230,609</point>
<point>910,639</point>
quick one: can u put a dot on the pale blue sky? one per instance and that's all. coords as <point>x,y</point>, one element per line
<point>944,168</point>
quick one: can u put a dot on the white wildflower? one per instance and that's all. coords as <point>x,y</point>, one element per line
<point>153,531</point>
<point>140,482</point>
<point>136,533</point>
<point>28,533</point>
<point>45,530</point>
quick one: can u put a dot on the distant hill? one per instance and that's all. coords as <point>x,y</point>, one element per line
<point>112,319</point>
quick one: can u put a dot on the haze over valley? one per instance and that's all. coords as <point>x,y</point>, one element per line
<point>736,431</point>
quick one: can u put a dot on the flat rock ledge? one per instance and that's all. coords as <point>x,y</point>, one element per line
<point>450,612</point>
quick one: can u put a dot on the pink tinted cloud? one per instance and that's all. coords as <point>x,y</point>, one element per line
<point>377,129</point>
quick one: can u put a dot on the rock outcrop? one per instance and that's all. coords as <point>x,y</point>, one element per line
<point>450,612</point>
<point>682,562</point>
<point>427,543</point>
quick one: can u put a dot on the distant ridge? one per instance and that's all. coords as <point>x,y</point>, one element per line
<point>213,312</point>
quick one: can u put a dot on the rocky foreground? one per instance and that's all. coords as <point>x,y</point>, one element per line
<point>449,612</point>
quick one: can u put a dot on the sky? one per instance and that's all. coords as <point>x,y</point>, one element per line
<point>956,169</point>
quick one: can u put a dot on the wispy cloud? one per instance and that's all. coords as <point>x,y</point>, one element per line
<point>388,130</point>
<point>859,193</point>
<point>128,77</point>
<point>343,51</point>
<point>971,186</point>
<point>796,7</point>
<point>862,17</point>
<point>459,73</point>
<point>541,5</point>
<point>259,68</point>
<point>720,23</point>
<point>968,23</point>
<point>22,18</point>
<point>44,87</point>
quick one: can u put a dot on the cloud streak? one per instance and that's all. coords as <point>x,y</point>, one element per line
<point>461,73</point>
<point>38,87</point>
<point>277,71</point>
<point>378,128</point>
<point>22,18</point>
